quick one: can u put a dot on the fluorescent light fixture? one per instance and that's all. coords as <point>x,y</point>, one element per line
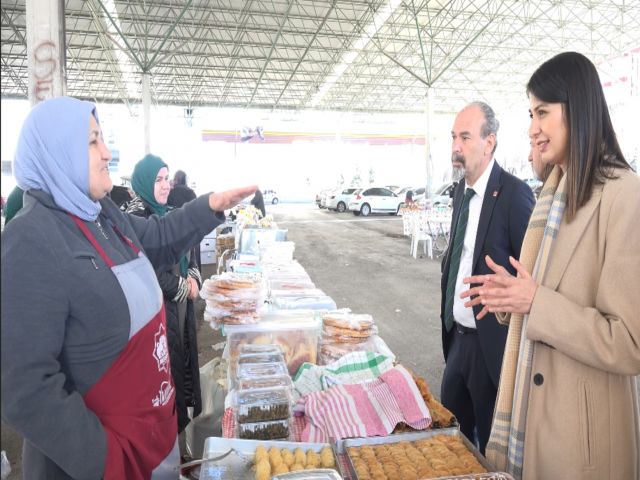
<point>357,46</point>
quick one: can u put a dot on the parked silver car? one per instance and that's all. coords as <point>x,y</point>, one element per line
<point>443,195</point>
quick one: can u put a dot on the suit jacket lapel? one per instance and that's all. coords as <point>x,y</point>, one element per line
<point>568,237</point>
<point>488,203</point>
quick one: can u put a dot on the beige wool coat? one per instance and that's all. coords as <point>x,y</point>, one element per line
<point>583,417</point>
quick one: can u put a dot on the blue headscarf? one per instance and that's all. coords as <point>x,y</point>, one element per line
<point>53,154</point>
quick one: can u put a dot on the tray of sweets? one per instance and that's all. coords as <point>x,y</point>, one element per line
<point>430,454</point>
<point>242,464</point>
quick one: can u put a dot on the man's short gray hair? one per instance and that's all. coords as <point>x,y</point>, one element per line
<point>491,123</point>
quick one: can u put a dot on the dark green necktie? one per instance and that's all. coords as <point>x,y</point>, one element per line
<point>454,260</point>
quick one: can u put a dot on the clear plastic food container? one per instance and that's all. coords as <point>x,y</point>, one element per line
<point>348,320</point>
<point>262,405</point>
<point>317,474</point>
<point>293,283</point>
<point>278,429</point>
<point>299,292</point>
<point>260,358</point>
<point>257,370</point>
<point>316,302</point>
<point>296,335</point>
<point>265,382</point>
<point>249,348</point>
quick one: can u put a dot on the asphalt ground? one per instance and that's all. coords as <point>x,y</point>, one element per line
<point>363,264</point>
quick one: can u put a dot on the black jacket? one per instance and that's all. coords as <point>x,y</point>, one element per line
<point>179,195</point>
<point>184,355</point>
<point>506,208</point>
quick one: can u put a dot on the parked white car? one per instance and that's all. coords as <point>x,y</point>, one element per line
<point>324,197</point>
<point>339,199</point>
<point>375,200</point>
<point>319,197</point>
<point>270,196</point>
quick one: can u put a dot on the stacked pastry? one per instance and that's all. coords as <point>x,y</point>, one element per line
<point>224,243</point>
<point>276,461</point>
<point>345,332</point>
<point>233,298</point>
<point>440,415</point>
<point>435,457</point>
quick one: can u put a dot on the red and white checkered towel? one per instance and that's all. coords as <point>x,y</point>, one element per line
<point>365,410</point>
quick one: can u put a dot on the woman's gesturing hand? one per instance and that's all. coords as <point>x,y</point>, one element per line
<point>221,201</point>
<point>194,291</point>
<point>501,291</point>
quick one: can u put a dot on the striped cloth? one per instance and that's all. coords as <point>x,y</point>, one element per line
<point>505,449</point>
<point>354,367</point>
<point>365,410</point>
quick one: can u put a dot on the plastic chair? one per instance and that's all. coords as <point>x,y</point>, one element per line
<point>418,236</point>
<point>407,222</point>
<point>224,259</point>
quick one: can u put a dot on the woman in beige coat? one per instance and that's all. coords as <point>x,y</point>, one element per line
<point>567,403</point>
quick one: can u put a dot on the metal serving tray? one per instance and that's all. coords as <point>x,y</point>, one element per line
<point>317,474</point>
<point>237,466</point>
<point>340,448</point>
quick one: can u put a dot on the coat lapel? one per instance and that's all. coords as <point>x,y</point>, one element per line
<point>488,203</point>
<point>568,237</point>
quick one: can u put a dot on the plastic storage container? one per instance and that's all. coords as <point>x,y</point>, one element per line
<point>266,382</point>
<point>261,358</point>
<point>262,405</point>
<point>278,429</point>
<point>309,302</point>
<point>317,474</point>
<point>296,335</point>
<point>257,370</point>
<point>257,348</point>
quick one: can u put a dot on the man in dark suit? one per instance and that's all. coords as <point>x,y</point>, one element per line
<point>491,210</point>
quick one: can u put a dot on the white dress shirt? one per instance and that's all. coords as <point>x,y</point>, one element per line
<point>461,314</point>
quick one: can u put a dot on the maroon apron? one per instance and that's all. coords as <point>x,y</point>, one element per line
<point>135,398</point>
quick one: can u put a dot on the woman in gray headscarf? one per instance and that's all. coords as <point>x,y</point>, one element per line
<point>85,365</point>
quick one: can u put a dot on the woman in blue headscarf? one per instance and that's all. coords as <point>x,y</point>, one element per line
<point>180,285</point>
<point>85,364</point>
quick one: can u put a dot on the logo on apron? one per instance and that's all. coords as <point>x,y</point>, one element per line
<point>164,395</point>
<point>161,349</point>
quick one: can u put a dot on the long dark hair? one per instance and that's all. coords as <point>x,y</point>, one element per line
<point>593,151</point>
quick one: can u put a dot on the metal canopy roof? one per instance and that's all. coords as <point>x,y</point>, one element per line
<point>360,55</point>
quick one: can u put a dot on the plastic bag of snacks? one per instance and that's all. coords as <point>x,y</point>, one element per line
<point>233,298</point>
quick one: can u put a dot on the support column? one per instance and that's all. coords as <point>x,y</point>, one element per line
<point>427,142</point>
<point>146,104</point>
<point>46,49</point>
